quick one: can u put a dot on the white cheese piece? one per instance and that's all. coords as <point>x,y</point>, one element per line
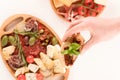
<point>52,50</point>
<point>47,61</point>
<point>33,67</point>
<point>30,76</point>
<point>40,64</point>
<point>103,2</point>
<point>20,27</point>
<point>60,56</point>
<point>21,70</point>
<point>59,77</point>
<point>57,53</point>
<point>7,51</point>
<point>58,67</point>
<point>58,47</point>
<point>55,77</point>
<point>49,78</point>
<point>46,73</point>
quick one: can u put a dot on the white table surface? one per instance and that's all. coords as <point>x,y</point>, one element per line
<point>101,62</point>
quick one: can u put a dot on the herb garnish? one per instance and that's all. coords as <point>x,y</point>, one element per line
<point>73,49</point>
<point>27,33</point>
<point>20,52</point>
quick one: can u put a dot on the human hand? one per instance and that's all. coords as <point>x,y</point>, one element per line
<point>100,29</point>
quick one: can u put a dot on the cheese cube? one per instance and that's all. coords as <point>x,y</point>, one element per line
<point>46,73</point>
<point>20,26</point>
<point>30,76</point>
<point>33,67</point>
<point>7,51</point>
<point>51,51</point>
<point>58,67</point>
<point>57,53</point>
<point>40,64</point>
<point>47,61</point>
<point>21,70</point>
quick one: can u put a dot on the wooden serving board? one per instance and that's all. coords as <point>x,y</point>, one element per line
<point>14,21</point>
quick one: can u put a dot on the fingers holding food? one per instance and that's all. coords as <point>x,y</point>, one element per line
<point>71,48</point>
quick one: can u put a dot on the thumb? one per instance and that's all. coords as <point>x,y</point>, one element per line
<point>76,29</point>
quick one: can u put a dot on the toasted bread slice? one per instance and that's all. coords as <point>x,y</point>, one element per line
<point>66,2</point>
<point>57,3</point>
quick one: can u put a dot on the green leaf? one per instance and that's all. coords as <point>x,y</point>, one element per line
<point>72,50</point>
<point>75,46</point>
<point>65,52</point>
<point>27,33</point>
<point>20,52</point>
<point>76,52</point>
<point>23,59</point>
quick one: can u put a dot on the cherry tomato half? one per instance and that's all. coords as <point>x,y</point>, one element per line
<point>99,8</point>
<point>39,76</point>
<point>82,11</point>
<point>90,4</point>
<point>30,59</point>
<point>91,13</point>
<point>21,77</point>
<point>40,26</point>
